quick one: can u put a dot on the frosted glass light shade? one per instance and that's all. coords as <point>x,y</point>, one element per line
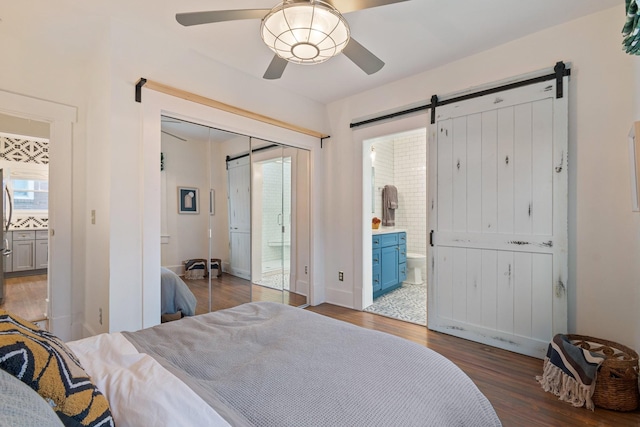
<point>305,33</point>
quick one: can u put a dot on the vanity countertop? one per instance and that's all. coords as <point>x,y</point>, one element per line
<point>387,230</point>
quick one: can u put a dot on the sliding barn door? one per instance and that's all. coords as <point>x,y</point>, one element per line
<point>239,177</point>
<point>498,211</point>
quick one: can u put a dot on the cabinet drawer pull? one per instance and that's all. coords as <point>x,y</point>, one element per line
<point>375,260</point>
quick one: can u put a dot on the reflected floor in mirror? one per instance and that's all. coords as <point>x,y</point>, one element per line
<point>230,291</point>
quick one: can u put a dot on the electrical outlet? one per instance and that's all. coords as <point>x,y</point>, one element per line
<point>341,276</point>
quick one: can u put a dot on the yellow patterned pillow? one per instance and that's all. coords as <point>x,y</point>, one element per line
<point>47,365</point>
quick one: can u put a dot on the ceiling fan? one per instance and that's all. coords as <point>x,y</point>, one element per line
<point>302,31</point>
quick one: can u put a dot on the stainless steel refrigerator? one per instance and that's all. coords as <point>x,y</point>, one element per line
<point>6,207</point>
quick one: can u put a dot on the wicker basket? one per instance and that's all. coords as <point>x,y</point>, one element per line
<point>617,382</point>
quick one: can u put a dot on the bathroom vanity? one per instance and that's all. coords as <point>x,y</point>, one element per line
<point>389,256</point>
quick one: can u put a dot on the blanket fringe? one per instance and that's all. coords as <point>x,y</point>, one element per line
<point>567,389</point>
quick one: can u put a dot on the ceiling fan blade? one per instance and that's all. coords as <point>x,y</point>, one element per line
<point>346,6</point>
<point>197,18</point>
<point>276,68</point>
<point>175,136</point>
<point>359,55</point>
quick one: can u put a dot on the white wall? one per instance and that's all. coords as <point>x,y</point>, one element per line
<point>636,117</point>
<point>185,165</point>
<point>604,233</point>
<point>160,59</point>
<point>410,176</point>
<point>94,65</point>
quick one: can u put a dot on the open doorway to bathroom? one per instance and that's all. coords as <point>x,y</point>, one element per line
<point>398,197</point>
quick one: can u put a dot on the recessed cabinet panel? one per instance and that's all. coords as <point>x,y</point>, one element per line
<point>389,266</point>
<point>23,254</point>
<point>42,254</point>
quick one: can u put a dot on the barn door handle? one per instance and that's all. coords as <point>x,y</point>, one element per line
<point>431,238</point>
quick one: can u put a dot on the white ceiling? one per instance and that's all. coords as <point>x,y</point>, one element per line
<point>410,37</point>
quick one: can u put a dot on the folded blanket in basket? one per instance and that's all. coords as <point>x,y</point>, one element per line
<point>570,372</point>
<point>195,269</point>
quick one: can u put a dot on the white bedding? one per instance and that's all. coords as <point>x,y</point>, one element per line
<point>136,385</point>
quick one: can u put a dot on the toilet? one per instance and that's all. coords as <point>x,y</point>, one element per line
<point>415,262</point>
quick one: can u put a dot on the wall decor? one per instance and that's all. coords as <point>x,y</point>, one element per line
<point>188,200</point>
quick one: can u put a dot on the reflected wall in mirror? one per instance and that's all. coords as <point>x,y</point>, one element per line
<point>280,251</point>
<point>204,256</point>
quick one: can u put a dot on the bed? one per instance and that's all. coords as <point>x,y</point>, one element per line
<point>269,364</point>
<point>176,297</point>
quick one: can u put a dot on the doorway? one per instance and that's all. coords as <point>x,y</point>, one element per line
<point>399,161</point>
<point>65,293</point>
<point>24,162</point>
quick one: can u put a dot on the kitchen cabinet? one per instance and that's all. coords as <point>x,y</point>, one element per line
<point>389,259</point>
<point>42,249</point>
<point>30,250</point>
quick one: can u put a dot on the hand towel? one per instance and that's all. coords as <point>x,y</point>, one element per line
<point>389,205</point>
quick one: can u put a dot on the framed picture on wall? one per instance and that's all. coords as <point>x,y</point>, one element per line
<point>188,202</point>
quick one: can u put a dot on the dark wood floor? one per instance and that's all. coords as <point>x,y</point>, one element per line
<point>507,379</point>
<point>229,291</point>
<point>26,297</point>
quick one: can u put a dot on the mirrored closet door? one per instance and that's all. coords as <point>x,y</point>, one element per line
<point>280,222</point>
<point>205,219</point>
<point>235,219</point>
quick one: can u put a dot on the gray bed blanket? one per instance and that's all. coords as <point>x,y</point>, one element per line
<point>175,295</point>
<point>268,364</point>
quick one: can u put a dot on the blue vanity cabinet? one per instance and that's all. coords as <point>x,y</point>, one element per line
<point>377,284</point>
<point>402,259</point>
<point>375,258</point>
<point>389,262</point>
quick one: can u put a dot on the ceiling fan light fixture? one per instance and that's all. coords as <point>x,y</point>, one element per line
<point>305,32</point>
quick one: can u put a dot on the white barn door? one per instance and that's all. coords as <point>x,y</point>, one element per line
<point>498,211</point>
<point>239,182</point>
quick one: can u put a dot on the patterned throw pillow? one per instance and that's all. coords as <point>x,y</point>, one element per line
<point>47,365</point>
